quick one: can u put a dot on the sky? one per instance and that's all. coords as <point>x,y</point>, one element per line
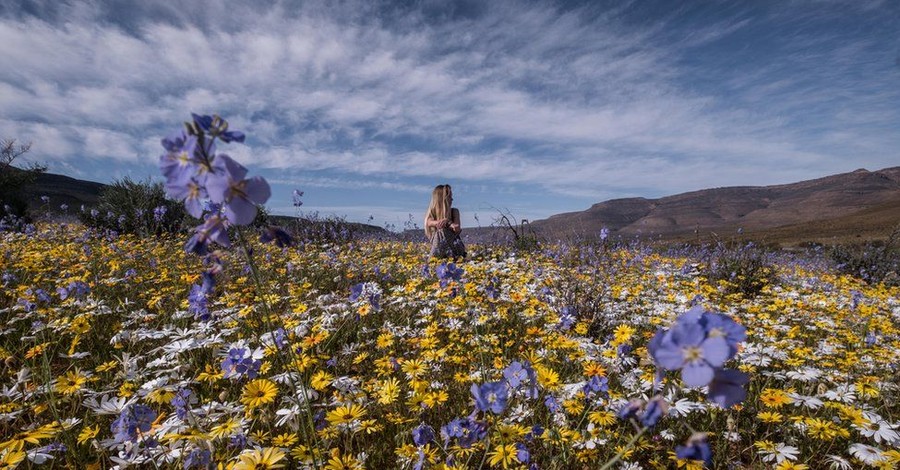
<point>528,107</point>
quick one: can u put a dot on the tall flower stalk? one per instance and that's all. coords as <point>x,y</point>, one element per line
<point>215,187</point>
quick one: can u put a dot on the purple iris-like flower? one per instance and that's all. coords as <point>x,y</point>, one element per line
<point>213,229</point>
<point>552,404</point>
<point>727,387</point>
<point>654,411</point>
<point>297,195</point>
<point>631,409</point>
<point>191,192</point>
<point>716,325</point>
<point>423,434</point>
<point>696,448</point>
<point>238,196</point>
<point>198,299</point>
<point>515,374</point>
<point>182,402</point>
<point>198,458</point>
<point>566,318</point>
<point>131,420</point>
<point>687,347</point>
<point>596,384</point>
<point>447,272</point>
<point>490,396</point>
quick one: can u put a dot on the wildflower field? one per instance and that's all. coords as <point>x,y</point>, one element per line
<point>368,355</point>
<point>244,348</point>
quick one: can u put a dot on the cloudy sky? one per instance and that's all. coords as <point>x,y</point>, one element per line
<point>537,107</point>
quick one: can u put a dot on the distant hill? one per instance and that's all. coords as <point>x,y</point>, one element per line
<point>75,193</point>
<point>62,190</point>
<point>860,204</point>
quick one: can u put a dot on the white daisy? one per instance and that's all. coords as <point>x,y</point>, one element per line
<point>836,462</point>
<point>866,454</point>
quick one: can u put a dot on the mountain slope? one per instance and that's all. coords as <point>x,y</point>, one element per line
<point>845,199</point>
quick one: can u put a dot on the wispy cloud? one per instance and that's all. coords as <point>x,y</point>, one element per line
<point>583,102</point>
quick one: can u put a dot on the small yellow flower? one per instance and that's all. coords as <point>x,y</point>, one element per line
<point>503,455</point>
<point>261,459</point>
<point>320,380</point>
<point>70,383</point>
<point>88,433</point>
<point>285,440</point>
<point>259,392</point>
<point>345,414</point>
<point>770,416</point>
<point>389,391</point>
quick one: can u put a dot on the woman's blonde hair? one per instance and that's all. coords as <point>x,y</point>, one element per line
<point>439,207</point>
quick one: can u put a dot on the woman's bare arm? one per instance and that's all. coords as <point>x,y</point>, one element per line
<point>454,222</point>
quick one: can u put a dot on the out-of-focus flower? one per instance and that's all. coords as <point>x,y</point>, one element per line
<point>696,448</point>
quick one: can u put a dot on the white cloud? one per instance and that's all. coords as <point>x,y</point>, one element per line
<point>576,102</point>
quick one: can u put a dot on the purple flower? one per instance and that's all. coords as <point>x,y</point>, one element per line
<point>522,453</point>
<point>656,408</point>
<point>447,272</point>
<point>296,198</point>
<point>213,229</point>
<point>239,196</point>
<point>240,362</point>
<point>630,409</point>
<point>423,434</point>
<point>552,404</point>
<point>596,384</point>
<point>190,191</point>
<point>159,212</point>
<point>515,374</point>
<point>566,318</point>
<point>182,402</point>
<point>687,347</point>
<point>727,387</point>
<point>696,448</point>
<point>467,431</point>
<point>133,419</point>
<point>199,458</point>
<point>491,396</point>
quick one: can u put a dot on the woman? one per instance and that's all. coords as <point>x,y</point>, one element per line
<point>442,225</point>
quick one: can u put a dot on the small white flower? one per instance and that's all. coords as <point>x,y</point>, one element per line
<point>866,454</point>
<point>836,462</point>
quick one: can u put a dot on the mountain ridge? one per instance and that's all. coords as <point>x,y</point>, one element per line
<point>750,208</point>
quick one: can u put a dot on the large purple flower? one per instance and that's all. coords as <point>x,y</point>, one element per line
<point>239,196</point>
<point>490,396</point>
<point>688,348</point>
<point>727,387</point>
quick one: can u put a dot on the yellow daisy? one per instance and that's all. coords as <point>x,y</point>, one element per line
<point>261,459</point>
<point>259,392</point>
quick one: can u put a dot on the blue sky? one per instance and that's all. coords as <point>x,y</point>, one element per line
<point>535,107</point>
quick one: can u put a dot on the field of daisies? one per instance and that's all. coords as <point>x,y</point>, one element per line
<point>245,348</point>
<point>369,355</point>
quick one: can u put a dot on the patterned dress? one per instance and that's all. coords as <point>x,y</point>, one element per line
<point>445,243</point>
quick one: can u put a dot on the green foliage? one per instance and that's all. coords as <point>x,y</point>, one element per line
<point>129,206</point>
<point>741,268</point>
<point>13,180</point>
<point>873,261</point>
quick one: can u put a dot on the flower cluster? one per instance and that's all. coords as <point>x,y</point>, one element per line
<point>195,174</point>
<point>698,345</point>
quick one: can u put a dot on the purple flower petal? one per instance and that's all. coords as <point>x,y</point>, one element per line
<point>715,351</point>
<point>239,211</point>
<point>727,387</point>
<point>696,374</point>
<point>257,189</point>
